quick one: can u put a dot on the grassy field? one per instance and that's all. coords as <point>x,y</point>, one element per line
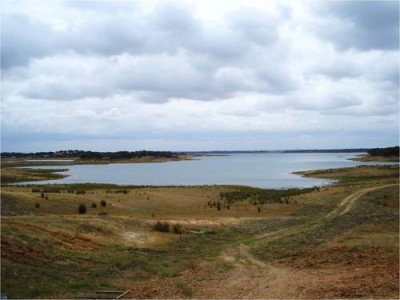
<point>340,241</point>
<point>367,157</point>
<point>14,175</point>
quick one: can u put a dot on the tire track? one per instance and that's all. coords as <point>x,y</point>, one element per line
<point>343,208</point>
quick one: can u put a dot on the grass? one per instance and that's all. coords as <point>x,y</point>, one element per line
<point>373,224</point>
<point>57,253</point>
<point>356,175</point>
<point>9,175</point>
<point>368,157</point>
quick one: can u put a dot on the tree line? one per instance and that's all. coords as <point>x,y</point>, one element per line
<point>90,154</point>
<point>389,151</point>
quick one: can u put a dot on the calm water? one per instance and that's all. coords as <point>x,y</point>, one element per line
<point>258,170</point>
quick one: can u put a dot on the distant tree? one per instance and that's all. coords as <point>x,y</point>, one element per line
<point>94,205</point>
<point>103,203</point>
<point>389,151</point>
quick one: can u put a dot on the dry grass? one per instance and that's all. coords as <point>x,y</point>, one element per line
<point>148,203</point>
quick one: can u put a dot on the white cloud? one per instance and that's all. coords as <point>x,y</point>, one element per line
<point>149,68</point>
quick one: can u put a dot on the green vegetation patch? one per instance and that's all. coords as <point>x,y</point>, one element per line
<point>14,175</point>
<point>258,196</point>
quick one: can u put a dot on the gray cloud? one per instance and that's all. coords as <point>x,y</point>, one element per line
<point>255,26</point>
<point>107,7</point>
<point>23,39</point>
<point>135,67</point>
<point>364,24</point>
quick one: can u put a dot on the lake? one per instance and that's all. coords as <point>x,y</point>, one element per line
<point>266,170</point>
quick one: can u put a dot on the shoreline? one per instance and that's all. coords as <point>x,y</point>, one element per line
<point>369,158</point>
<point>29,162</point>
<point>19,171</point>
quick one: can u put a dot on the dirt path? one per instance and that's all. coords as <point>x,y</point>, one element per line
<point>347,203</point>
<point>344,207</point>
<point>248,277</point>
<point>251,272</point>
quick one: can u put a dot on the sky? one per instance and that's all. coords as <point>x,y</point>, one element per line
<point>198,75</point>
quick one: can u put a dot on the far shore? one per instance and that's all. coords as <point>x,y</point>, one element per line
<point>14,171</point>
<point>369,158</point>
<point>26,162</point>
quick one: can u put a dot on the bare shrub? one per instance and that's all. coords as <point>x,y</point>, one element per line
<point>162,226</point>
<point>177,228</point>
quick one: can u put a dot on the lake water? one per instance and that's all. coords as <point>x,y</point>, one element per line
<point>267,170</point>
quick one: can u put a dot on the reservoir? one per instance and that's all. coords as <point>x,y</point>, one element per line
<point>265,170</point>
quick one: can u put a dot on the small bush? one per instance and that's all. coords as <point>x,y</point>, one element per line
<point>51,190</point>
<point>121,191</point>
<point>161,227</point>
<point>37,205</point>
<point>94,205</point>
<point>80,192</point>
<point>82,208</point>
<point>103,213</point>
<point>177,228</point>
<point>103,203</point>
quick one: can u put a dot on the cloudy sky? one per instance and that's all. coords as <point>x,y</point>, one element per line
<point>199,75</point>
